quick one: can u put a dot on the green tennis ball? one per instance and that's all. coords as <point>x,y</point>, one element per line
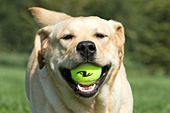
<point>86,74</point>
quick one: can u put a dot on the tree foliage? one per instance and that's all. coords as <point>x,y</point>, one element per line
<point>153,41</point>
<point>147,25</point>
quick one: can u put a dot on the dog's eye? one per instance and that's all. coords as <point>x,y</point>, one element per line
<point>98,35</point>
<point>67,37</point>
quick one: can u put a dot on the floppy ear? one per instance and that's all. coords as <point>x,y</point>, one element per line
<point>46,17</point>
<point>119,35</point>
<point>40,43</point>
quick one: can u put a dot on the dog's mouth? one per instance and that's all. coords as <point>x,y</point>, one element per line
<point>85,91</point>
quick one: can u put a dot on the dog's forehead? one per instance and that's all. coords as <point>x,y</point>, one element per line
<point>84,20</point>
<point>89,21</point>
<point>78,24</point>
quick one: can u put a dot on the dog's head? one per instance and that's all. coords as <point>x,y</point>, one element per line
<point>66,42</point>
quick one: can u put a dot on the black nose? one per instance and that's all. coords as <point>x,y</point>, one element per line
<point>86,49</point>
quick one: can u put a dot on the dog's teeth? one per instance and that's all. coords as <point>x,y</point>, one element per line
<point>86,88</point>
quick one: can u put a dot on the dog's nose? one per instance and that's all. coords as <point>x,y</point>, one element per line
<point>86,49</point>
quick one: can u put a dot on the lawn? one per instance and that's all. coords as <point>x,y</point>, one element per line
<point>151,93</point>
<point>12,83</point>
<point>12,90</point>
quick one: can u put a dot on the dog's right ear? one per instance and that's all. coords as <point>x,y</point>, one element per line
<point>41,40</point>
<point>46,17</point>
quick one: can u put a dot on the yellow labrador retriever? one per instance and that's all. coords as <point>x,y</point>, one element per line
<point>64,43</point>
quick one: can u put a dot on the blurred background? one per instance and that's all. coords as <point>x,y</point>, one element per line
<point>147,47</point>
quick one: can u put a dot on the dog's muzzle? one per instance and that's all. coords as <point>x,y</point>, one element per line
<point>87,51</point>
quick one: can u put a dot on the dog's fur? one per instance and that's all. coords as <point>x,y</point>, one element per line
<point>48,91</point>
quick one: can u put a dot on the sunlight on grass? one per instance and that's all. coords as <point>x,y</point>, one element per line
<point>12,83</point>
<point>13,59</point>
<point>151,94</point>
<point>12,90</point>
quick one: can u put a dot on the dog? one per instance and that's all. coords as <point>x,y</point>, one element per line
<point>62,44</point>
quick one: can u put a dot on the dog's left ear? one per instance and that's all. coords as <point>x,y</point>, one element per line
<point>47,17</point>
<point>41,40</point>
<point>119,36</point>
<point>119,32</point>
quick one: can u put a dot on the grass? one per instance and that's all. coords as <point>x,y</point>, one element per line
<point>151,93</point>
<point>12,83</point>
<point>12,90</point>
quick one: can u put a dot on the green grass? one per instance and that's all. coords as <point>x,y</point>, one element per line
<point>151,93</point>
<point>12,83</point>
<point>12,90</point>
<point>13,59</point>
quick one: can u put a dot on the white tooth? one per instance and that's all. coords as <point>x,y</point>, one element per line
<point>81,89</point>
<point>94,85</point>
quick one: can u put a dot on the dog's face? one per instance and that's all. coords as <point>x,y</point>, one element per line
<point>73,41</point>
<point>80,40</point>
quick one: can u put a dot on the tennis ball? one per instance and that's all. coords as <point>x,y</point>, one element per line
<point>86,74</point>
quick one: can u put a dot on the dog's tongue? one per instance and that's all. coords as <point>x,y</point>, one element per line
<point>86,88</point>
